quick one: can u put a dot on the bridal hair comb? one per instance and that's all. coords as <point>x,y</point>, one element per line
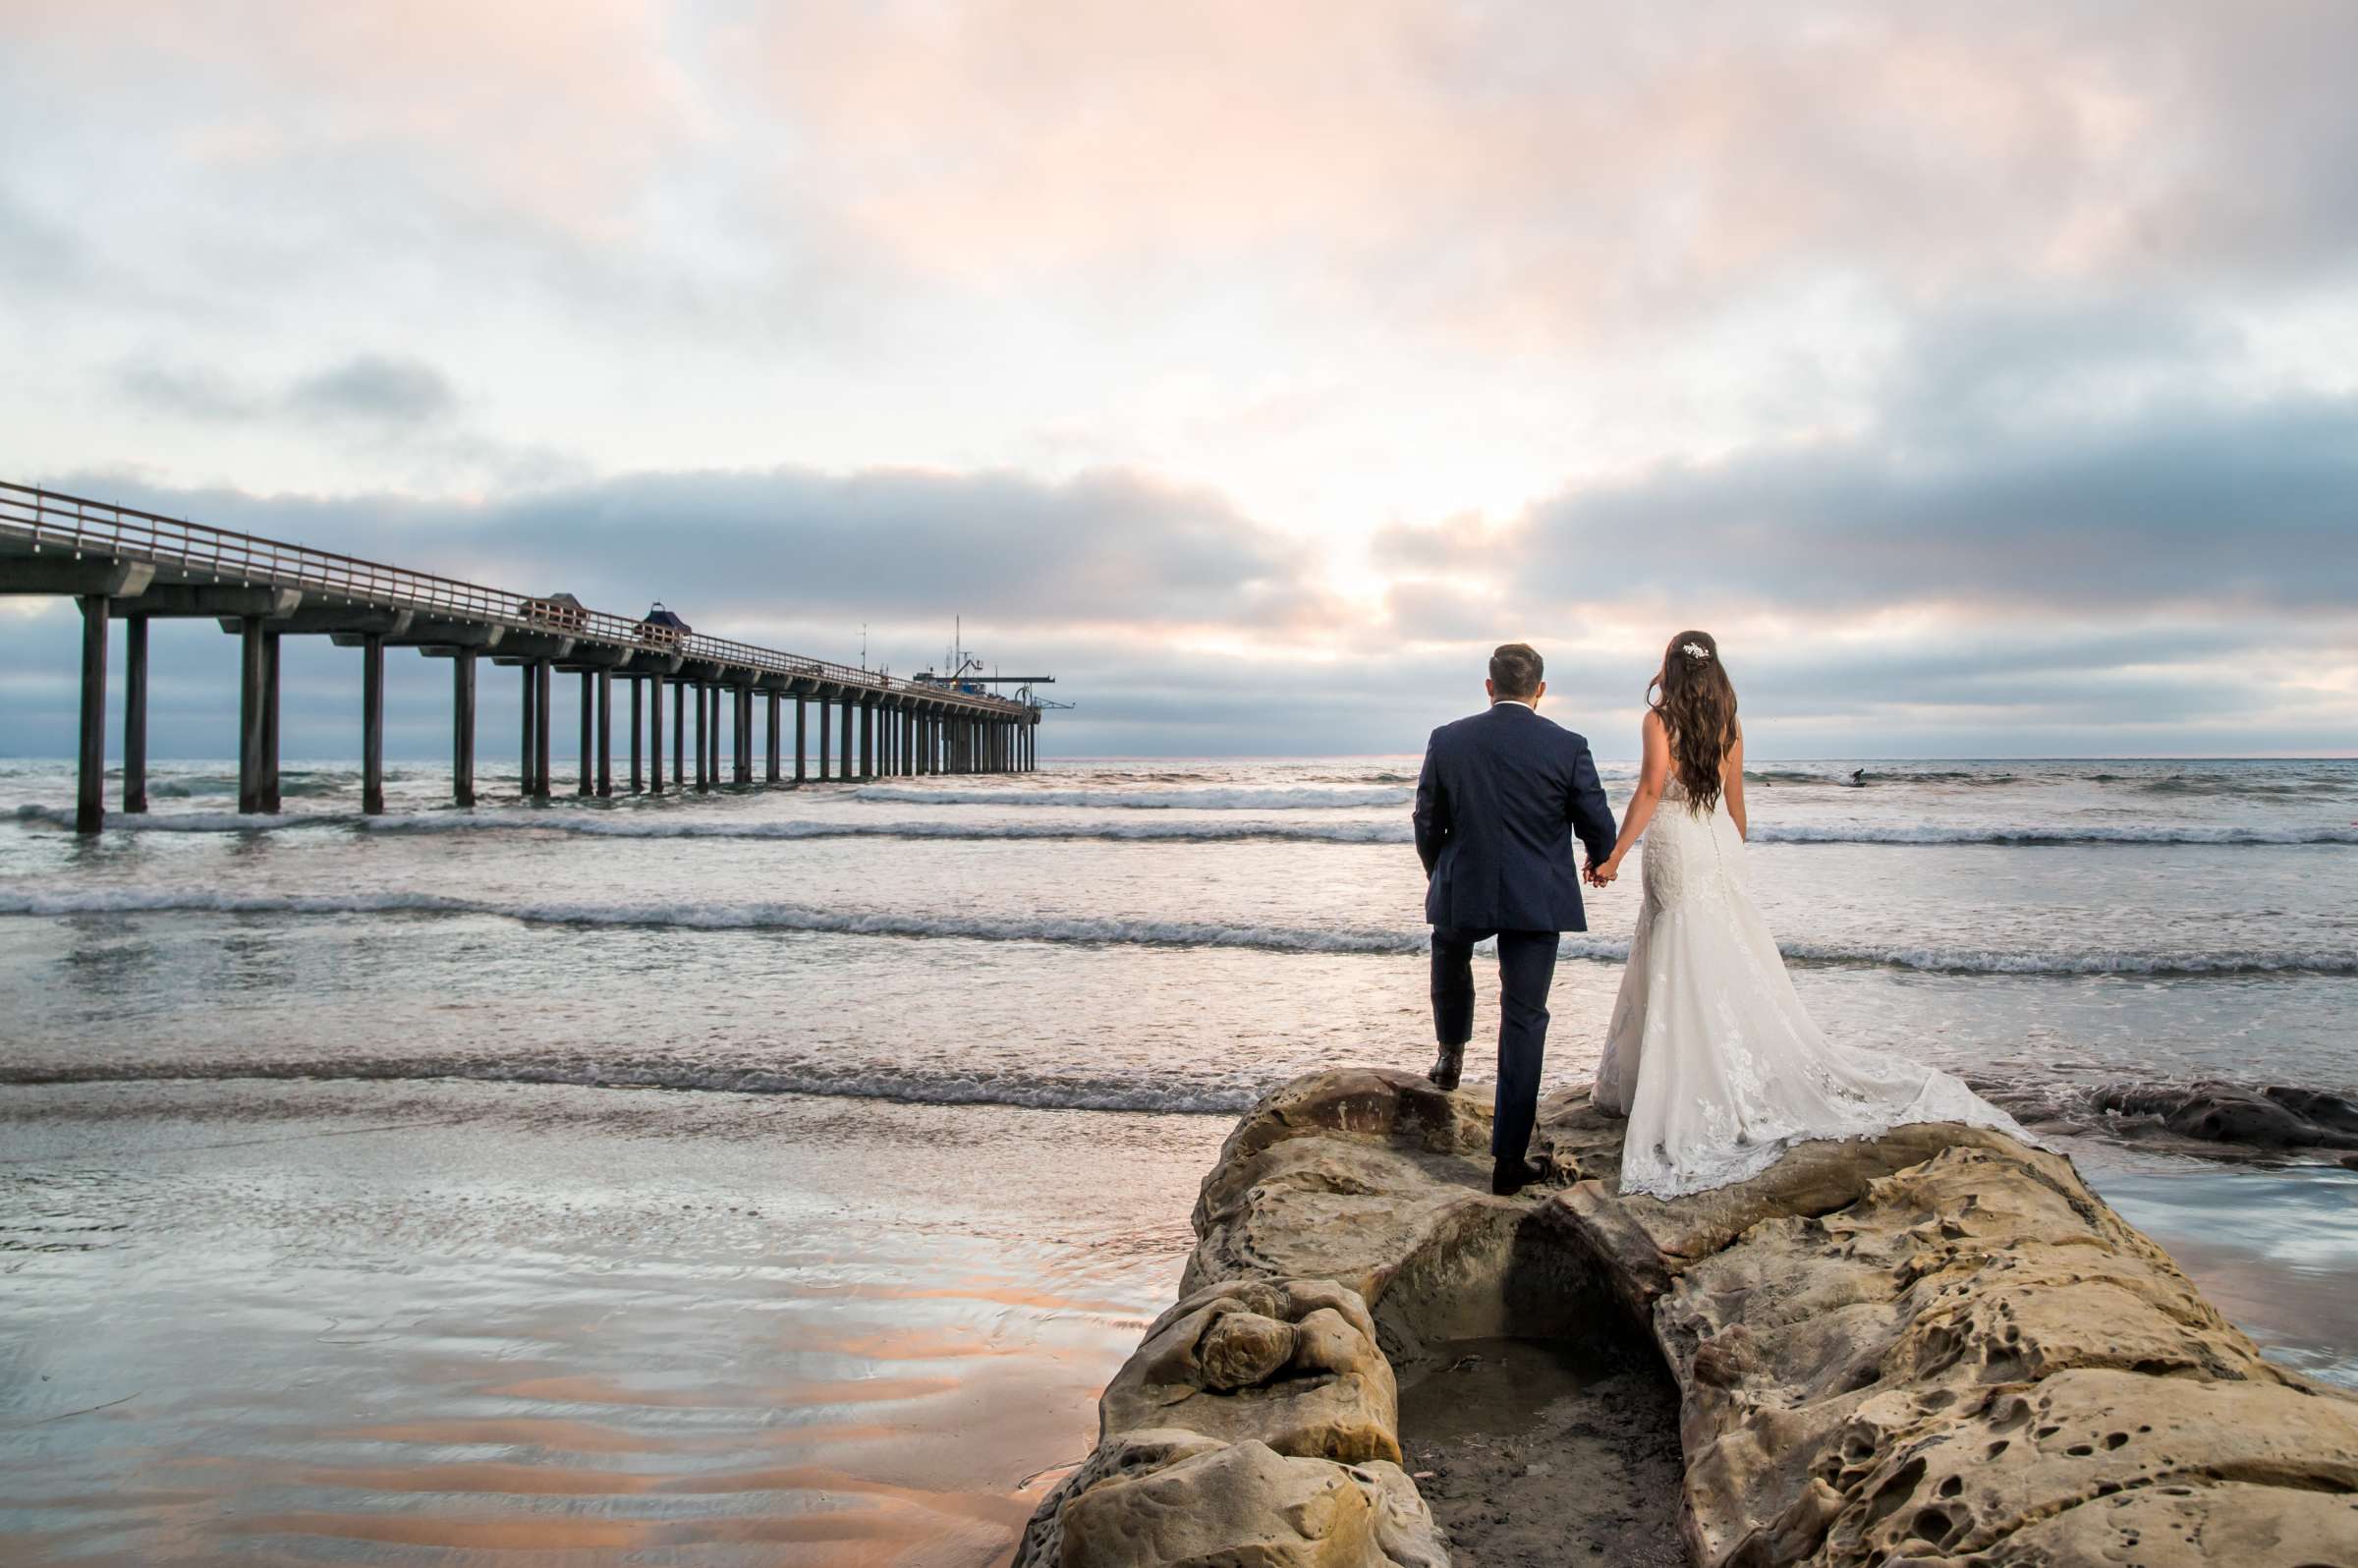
<point>1696,650</point>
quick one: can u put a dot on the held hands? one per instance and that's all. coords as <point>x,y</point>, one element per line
<point>1601,873</point>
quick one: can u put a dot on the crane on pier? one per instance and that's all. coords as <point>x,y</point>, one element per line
<point>965,676</point>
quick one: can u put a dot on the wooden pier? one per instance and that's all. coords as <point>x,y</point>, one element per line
<point>134,567</point>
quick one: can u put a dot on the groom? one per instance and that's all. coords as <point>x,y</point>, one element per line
<point>1500,796</point>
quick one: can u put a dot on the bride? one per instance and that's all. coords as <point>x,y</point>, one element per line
<point>1711,1054</point>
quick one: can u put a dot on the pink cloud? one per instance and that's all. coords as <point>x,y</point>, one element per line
<point>562,109</point>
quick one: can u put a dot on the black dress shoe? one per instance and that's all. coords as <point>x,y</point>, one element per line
<point>1511,1176</point>
<point>1446,1067</point>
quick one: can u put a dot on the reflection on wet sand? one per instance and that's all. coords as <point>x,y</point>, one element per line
<point>425,1351</point>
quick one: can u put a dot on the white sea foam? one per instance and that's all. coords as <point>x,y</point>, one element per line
<point>647,825</point>
<point>1198,800</point>
<point>2036,835</point>
<point>765,917</point>
<point>1167,1093</point>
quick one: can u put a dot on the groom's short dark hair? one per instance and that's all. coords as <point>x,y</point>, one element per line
<point>1516,669</point>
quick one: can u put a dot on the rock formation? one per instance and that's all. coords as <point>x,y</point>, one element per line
<point>1933,1347</point>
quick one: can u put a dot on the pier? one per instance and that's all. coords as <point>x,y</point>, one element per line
<point>125,565</point>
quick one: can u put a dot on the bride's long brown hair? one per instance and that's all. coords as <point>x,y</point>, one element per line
<point>1697,706</point>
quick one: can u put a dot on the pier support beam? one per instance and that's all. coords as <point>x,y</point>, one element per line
<point>89,800</point>
<point>800,713</point>
<point>867,739</point>
<point>134,713</point>
<point>524,764</point>
<point>544,676</point>
<point>745,734</point>
<point>704,780</point>
<point>847,705</point>
<point>772,772</point>
<point>606,734</point>
<point>655,735</point>
<point>250,669</point>
<point>679,735</point>
<point>270,748</point>
<point>587,783</point>
<point>462,716</point>
<point>638,738</point>
<point>373,724</point>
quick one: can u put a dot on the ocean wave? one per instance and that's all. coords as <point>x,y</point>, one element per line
<point>761,916</point>
<point>2031,835</point>
<point>2200,1117</point>
<point>1164,1093</point>
<point>1196,800</point>
<point>1108,932</point>
<point>646,825</point>
<point>649,825</point>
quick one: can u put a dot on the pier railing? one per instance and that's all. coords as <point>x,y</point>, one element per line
<point>70,523</point>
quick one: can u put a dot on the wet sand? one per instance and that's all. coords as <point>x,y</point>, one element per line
<point>307,1323</point>
<point>1533,1453</point>
<point>296,1321</point>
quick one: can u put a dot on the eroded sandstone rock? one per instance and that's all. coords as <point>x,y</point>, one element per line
<point>1290,1364</point>
<point>1937,1346</point>
<point>1155,1498</point>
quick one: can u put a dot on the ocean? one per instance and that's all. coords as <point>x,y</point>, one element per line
<point>698,1176</point>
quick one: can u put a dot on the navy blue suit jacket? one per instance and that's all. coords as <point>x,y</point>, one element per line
<point>1500,797</point>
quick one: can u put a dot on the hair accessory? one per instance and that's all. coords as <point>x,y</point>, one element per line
<point>1696,650</point>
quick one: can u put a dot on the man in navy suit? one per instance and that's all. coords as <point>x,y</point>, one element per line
<point>1498,804</point>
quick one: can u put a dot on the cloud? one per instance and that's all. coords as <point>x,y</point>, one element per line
<point>2181,504</point>
<point>560,109</point>
<point>1562,171</point>
<point>374,388</point>
<point>384,392</point>
<point>1955,363</point>
<point>735,550</point>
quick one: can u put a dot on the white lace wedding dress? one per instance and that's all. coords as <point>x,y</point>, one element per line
<point>1711,1054</point>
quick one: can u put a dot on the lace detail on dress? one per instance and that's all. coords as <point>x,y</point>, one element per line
<point>1711,1054</point>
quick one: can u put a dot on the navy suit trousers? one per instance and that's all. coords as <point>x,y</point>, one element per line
<point>1526,970</point>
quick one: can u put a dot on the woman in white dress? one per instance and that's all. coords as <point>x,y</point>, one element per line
<point>1711,1054</point>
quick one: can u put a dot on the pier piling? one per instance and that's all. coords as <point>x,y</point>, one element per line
<point>462,712</point>
<point>524,763</point>
<point>373,724</point>
<point>89,801</point>
<point>544,724</point>
<point>249,714</point>
<point>655,735</point>
<point>270,683</point>
<point>606,734</point>
<point>134,713</point>
<point>587,783</point>
<point>679,735</point>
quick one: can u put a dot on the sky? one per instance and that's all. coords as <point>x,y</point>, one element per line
<point>1985,378</point>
